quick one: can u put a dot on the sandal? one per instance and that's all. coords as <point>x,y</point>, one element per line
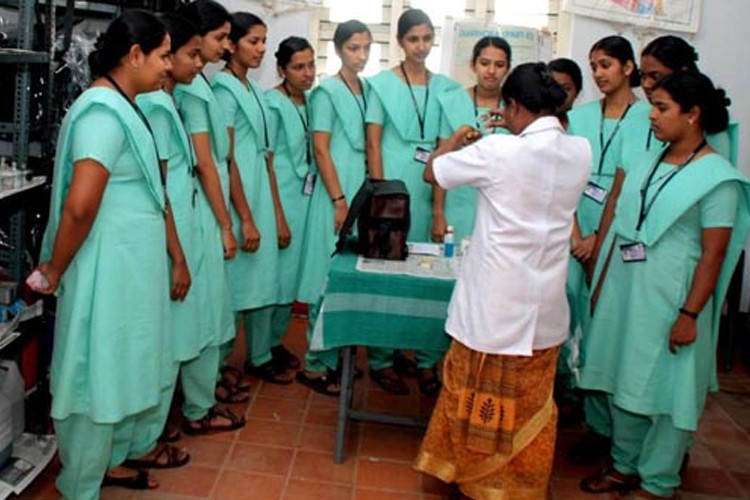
<point>170,435</point>
<point>206,425</point>
<point>284,358</point>
<point>389,381</point>
<point>140,481</point>
<point>322,383</point>
<point>429,384</point>
<point>609,481</point>
<point>173,457</point>
<point>269,372</point>
<point>404,365</point>
<point>230,394</point>
<point>234,377</point>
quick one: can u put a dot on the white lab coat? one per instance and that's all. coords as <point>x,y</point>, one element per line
<point>510,296</point>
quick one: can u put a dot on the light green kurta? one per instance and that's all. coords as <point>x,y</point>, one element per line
<point>457,109</point>
<point>390,105</point>
<point>585,121</point>
<point>290,165</point>
<point>201,114</point>
<point>627,346</point>
<point>339,113</point>
<point>253,276</point>
<point>113,307</point>
<point>175,148</point>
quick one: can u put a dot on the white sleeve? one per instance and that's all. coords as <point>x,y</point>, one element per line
<point>469,165</point>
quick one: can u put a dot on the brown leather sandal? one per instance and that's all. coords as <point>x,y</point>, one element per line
<point>206,425</point>
<point>167,456</point>
<point>609,481</point>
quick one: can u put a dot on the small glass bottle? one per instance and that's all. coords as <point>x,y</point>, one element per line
<point>449,247</point>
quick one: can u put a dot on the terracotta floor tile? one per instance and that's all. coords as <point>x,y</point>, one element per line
<point>277,410</point>
<point>116,494</point>
<point>201,480</point>
<point>292,391</point>
<point>269,432</point>
<point>722,433</point>
<point>322,400</point>
<point>322,415</point>
<point>315,466</point>
<point>743,480</point>
<point>260,459</point>
<point>434,486</point>
<point>322,438</point>
<point>370,494</point>
<point>732,458</point>
<point>158,495</point>
<point>567,489</point>
<point>390,442</point>
<point>709,482</point>
<point>311,490</point>
<point>204,451</point>
<point>564,469</point>
<point>43,488</point>
<point>388,475</point>
<point>701,456</point>
<point>233,485</point>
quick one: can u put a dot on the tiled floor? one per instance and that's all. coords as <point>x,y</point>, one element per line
<point>285,451</point>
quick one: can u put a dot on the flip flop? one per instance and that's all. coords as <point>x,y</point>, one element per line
<point>319,384</point>
<point>140,481</point>
<point>175,457</point>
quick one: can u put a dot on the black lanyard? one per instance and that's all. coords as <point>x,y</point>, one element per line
<point>145,122</point>
<point>646,207</point>
<point>476,108</point>
<point>420,117</point>
<point>362,110</point>
<point>605,147</point>
<point>305,123</point>
<point>260,106</point>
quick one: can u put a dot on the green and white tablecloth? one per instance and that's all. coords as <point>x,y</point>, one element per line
<point>381,310</point>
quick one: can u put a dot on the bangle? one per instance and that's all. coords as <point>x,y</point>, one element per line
<point>689,314</point>
<point>338,198</point>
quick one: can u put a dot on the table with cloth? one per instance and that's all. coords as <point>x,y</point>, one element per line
<point>394,311</point>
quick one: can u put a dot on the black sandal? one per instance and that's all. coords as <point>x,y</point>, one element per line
<point>320,384</point>
<point>232,395</point>
<point>235,378</point>
<point>205,425</point>
<point>393,384</point>
<point>429,384</point>
<point>610,481</point>
<point>284,358</point>
<point>141,481</point>
<point>175,457</point>
<point>269,372</point>
<point>404,365</point>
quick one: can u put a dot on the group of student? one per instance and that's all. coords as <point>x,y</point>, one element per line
<point>226,199</point>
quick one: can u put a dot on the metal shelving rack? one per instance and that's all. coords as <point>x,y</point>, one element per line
<point>24,57</point>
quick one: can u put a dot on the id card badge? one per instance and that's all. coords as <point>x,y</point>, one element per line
<point>422,154</point>
<point>633,252</point>
<point>595,192</point>
<point>309,186</point>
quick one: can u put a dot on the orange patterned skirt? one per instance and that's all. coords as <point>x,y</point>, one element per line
<point>493,429</point>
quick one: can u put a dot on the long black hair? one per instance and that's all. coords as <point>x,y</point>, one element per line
<point>288,47</point>
<point>180,29</point>
<point>208,15</point>
<point>242,22</point>
<point>132,27</point>
<point>346,30</point>
<point>490,41</point>
<point>619,48</point>
<point>570,68</point>
<point>691,88</point>
<point>532,86</point>
<point>673,52</point>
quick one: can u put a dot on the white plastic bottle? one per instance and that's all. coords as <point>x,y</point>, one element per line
<point>449,246</point>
